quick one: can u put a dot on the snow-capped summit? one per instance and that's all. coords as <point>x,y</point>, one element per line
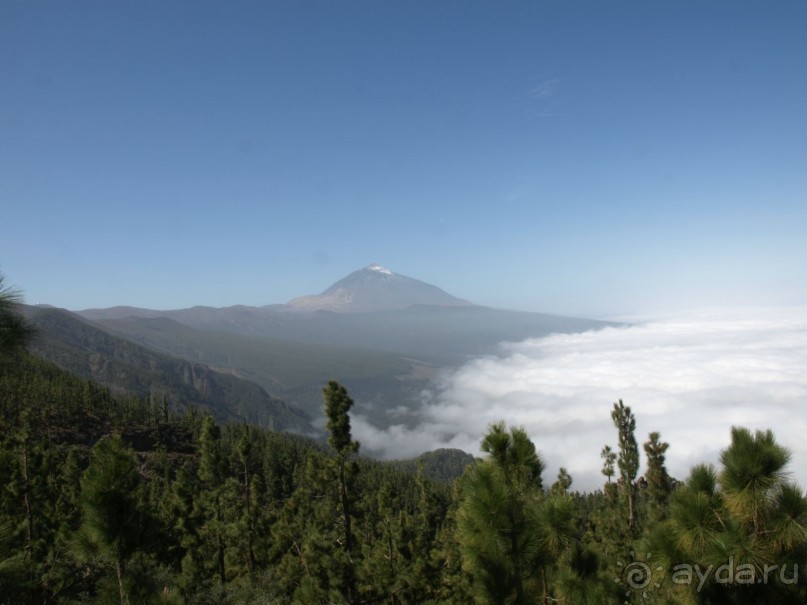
<point>375,288</point>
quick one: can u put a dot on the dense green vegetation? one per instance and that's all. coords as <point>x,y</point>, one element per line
<point>113,499</point>
<point>104,496</point>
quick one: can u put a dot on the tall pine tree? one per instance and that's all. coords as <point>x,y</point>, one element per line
<point>112,517</point>
<point>337,407</point>
<point>498,523</point>
<point>628,456</point>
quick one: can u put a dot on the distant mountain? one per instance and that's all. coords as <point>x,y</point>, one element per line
<point>386,337</point>
<point>376,288</point>
<point>127,368</point>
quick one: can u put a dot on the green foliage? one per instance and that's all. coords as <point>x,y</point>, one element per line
<point>337,406</point>
<point>753,475</point>
<point>745,516</point>
<point>562,483</point>
<point>15,330</point>
<point>628,456</point>
<point>608,460</point>
<point>659,482</point>
<point>498,520</point>
<point>109,499</point>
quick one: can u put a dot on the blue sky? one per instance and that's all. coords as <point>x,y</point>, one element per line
<point>590,158</point>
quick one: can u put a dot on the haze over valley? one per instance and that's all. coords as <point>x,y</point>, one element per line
<point>428,370</point>
<point>388,340</point>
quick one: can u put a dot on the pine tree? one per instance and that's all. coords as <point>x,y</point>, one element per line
<point>211,475</point>
<point>15,330</point>
<point>303,548</point>
<point>659,483</point>
<point>556,516</point>
<point>747,517</point>
<point>562,483</point>
<point>111,513</point>
<point>608,460</point>
<point>498,523</point>
<point>628,457</point>
<point>248,516</point>
<point>426,562</point>
<point>384,561</point>
<point>753,476</point>
<point>337,405</point>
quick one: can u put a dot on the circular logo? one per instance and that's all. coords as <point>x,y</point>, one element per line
<point>637,576</point>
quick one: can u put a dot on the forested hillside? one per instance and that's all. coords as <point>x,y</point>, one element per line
<point>124,367</point>
<point>110,499</point>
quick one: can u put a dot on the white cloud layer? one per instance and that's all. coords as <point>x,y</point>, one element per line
<point>689,377</point>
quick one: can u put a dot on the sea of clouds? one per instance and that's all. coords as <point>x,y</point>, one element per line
<point>690,377</point>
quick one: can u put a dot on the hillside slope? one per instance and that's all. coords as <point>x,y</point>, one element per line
<point>124,367</point>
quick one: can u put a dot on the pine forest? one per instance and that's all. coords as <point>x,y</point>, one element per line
<point>119,500</point>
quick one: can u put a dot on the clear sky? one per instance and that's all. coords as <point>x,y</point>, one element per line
<point>588,158</point>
